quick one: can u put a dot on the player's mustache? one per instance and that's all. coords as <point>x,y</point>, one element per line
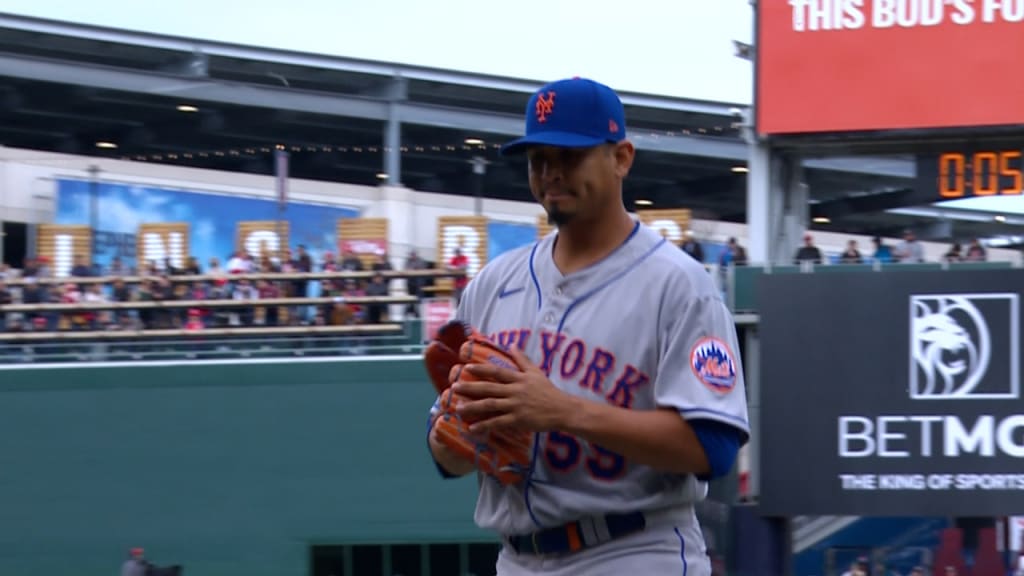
<point>557,192</point>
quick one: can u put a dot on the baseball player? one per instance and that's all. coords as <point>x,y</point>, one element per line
<point>630,378</point>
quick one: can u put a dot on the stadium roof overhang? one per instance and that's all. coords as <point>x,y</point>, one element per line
<point>70,85</point>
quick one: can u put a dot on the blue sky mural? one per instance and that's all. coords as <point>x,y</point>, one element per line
<point>504,236</point>
<point>211,217</point>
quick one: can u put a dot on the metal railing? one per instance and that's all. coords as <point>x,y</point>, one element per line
<point>398,338</point>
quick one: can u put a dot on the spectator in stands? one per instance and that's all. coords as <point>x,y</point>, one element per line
<point>30,268</point>
<point>954,254</point>
<point>692,247</point>
<point>117,268</point>
<point>378,286</point>
<point>267,291</point>
<point>34,293</point>
<point>917,571</point>
<point>81,269</point>
<point>170,269</point>
<point>382,264</point>
<point>136,564</point>
<point>192,267</point>
<point>909,251</point>
<point>975,252</point>
<point>302,264</point>
<point>76,319</point>
<point>237,264</point>
<point>808,252</point>
<point>96,319</point>
<point>213,268</point>
<point>851,255</point>
<point>5,298</point>
<point>459,261</point>
<point>733,254</point>
<point>356,312</point>
<point>198,291</point>
<point>882,253</point>
<point>414,286</point>
<point>350,262</point>
<point>243,316</point>
<point>329,264</point>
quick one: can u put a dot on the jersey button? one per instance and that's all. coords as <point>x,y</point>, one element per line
<point>549,318</point>
<point>558,291</point>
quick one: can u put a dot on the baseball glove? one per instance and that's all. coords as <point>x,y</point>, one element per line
<point>502,455</point>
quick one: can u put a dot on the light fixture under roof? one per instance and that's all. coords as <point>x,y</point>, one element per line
<point>822,220</point>
<point>643,203</point>
<point>187,108</point>
<point>105,144</point>
<point>999,218</point>
<point>473,142</point>
<point>740,169</point>
<point>382,175</point>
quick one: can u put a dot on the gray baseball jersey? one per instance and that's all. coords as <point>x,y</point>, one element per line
<point>643,328</point>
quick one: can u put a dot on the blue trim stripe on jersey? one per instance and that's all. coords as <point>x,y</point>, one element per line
<point>738,420</point>
<point>682,548</point>
<point>608,282</point>
<point>533,275</point>
<point>529,479</point>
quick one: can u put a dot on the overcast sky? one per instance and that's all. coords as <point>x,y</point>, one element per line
<point>667,47</point>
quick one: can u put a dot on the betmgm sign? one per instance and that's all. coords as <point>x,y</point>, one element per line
<point>893,393</point>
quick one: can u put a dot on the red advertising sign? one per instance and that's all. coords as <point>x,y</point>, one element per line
<point>436,312</point>
<point>853,65</point>
<point>379,246</point>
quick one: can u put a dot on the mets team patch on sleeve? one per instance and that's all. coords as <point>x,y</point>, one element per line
<point>712,363</point>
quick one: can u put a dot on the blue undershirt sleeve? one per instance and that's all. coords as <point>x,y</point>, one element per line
<point>721,443</point>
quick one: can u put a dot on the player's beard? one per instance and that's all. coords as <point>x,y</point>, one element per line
<point>557,217</point>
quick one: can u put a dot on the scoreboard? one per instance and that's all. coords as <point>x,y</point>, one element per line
<point>971,171</point>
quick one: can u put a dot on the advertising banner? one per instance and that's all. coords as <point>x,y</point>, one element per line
<point>892,394</point>
<point>62,245</point>
<point>121,209</point>
<point>367,238</point>
<point>436,313</point>
<point>854,65</point>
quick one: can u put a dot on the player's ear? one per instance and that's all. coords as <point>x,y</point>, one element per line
<point>623,152</point>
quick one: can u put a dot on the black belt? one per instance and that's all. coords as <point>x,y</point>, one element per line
<point>578,535</point>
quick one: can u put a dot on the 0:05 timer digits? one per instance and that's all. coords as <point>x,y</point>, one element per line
<point>987,173</point>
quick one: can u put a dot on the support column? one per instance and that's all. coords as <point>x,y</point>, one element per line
<point>393,147</point>
<point>759,203</point>
<point>777,205</point>
<point>479,170</point>
<point>794,211</point>
<point>395,92</point>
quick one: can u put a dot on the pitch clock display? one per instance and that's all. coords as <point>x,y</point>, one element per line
<point>971,173</point>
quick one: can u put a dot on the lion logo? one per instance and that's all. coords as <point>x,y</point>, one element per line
<point>951,347</point>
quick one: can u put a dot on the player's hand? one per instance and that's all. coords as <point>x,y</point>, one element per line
<point>509,399</point>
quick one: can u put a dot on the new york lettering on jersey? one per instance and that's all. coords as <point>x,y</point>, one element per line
<point>640,360</point>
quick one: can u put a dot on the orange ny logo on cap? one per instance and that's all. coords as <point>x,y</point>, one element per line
<point>545,106</point>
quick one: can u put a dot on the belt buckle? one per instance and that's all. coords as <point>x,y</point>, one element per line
<point>533,542</point>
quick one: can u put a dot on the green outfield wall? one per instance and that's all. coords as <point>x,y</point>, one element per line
<point>229,469</point>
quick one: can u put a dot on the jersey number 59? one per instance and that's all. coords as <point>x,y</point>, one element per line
<point>564,452</point>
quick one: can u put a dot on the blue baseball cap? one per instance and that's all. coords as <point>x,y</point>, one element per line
<point>572,113</point>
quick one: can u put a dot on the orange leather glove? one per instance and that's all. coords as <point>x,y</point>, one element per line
<point>502,455</point>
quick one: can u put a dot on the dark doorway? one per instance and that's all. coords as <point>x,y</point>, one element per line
<point>15,243</point>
